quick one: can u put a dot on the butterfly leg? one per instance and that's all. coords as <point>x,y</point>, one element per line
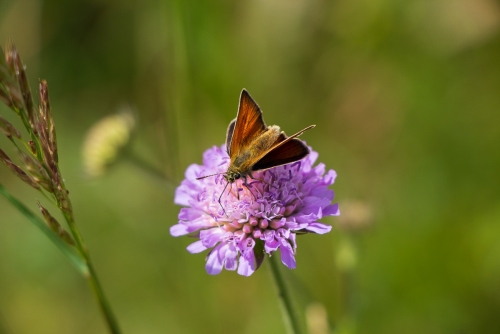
<point>249,185</point>
<point>220,197</point>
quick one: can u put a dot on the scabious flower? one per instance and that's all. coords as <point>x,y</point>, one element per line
<point>251,220</point>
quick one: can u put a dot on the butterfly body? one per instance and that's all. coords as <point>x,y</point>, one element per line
<point>241,164</point>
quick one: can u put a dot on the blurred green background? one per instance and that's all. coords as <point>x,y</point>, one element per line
<point>406,98</point>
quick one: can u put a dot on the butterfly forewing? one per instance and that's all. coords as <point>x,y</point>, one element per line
<point>284,150</point>
<point>249,124</point>
<point>291,150</point>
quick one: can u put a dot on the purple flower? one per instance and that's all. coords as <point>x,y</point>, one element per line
<point>261,217</point>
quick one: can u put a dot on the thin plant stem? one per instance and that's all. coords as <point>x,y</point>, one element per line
<point>92,276</point>
<point>147,169</point>
<point>289,312</point>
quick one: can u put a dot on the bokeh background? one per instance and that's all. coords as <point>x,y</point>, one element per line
<point>406,98</point>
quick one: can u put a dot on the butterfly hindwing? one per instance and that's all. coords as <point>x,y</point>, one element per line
<point>229,136</point>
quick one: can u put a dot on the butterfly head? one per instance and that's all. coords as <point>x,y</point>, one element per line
<point>232,176</point>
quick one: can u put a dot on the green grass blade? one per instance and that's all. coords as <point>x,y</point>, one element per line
<point>70,252</point>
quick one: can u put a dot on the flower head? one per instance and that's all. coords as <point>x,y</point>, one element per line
<point>106,140</point>
<point>255,218</point>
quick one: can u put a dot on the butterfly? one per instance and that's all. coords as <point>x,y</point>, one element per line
<point>254,146</point>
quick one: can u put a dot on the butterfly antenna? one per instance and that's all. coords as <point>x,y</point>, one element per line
<point>302,131</point>
<point>202,177</point>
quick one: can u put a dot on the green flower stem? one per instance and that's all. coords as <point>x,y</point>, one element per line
<point>92,275</point>
<point>289,312</point>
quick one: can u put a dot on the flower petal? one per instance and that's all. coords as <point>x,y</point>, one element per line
<point>231,255</point>
<point>211,236</point>
<point>178,230</point>
<point>331,210</point>
<point>287,256</point>
<point>215,261</point>
<point>196,247</point>
<point>246,265</point>
<point>319,228</point>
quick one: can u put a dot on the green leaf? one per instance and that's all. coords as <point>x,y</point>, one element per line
<point>69,251</point>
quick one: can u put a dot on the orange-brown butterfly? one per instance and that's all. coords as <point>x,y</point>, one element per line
<point>253,146</point>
